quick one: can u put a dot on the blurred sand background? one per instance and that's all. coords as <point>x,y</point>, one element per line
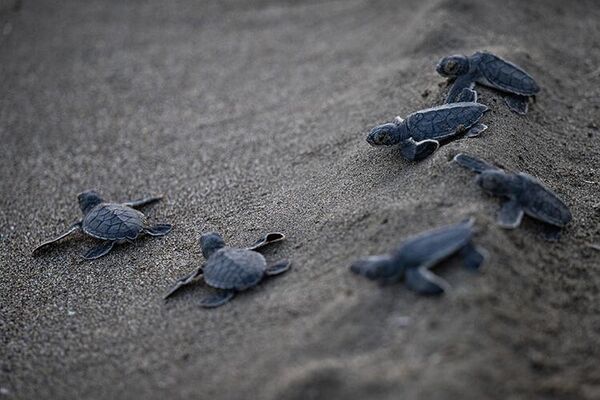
<point>250,117</point>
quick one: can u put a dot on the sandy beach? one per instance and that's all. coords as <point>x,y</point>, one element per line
<point>251,117</point>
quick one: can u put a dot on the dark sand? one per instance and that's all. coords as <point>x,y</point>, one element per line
<point>252,118</point>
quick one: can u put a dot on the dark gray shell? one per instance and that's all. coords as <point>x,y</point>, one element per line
<point>505,75</point>
<point>444,121</point>
<point>236,269</point>
<point>541,203</point>
<point>114,222</point>
<point>433,246</point>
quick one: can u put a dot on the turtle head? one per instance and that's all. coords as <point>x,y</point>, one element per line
<point>88,200</point>
<point>211,242</point>
<point>376,268</point>
<point>498,183</point>
<point>388,134</point>
<point>453,66</point>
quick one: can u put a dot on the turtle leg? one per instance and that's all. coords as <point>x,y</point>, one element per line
<point>423,281</point>
<point>517,103</point>
<point>552,233</point>
<point>457,91</point>
<point>476,130</point>
<point>101,250</point>
<point>510,214</point>
<point>142,202</point>
<point>278,268</point>
<point>467,95</point>
<point>472,163</point>
<point>269,238</point>
<point>184,281</point>
<point>217,299</point>
<point>416,151</point>
<point>73,228</point>
<point>473,257</point>
<point>159,229</point>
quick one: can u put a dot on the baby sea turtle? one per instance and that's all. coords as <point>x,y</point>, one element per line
<point>419,135</point>
<point>231,270</point>
<point>526,195</point>
<point>489,70</point>
<point>414,258</point>
<point>111,222</point>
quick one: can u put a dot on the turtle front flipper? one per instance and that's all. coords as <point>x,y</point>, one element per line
<point>510,214</point>
<point>73,228</point>
<point>423,281</point>
<point>142,202</point>
<point>473,163</point>
<point>516,103</point>
<point>159,229</point>
<point>467,95</point>
<point>101,250</point>
<point>278,268</point>
<point>217,299</point>
<point>183,281</point>
<point>416,151</point>
<point>456,92</point>
<point>473,257</point>
<point>269,238</point>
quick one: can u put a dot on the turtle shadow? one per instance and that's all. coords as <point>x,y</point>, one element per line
<point>87,243</point>
<point>540,230</point>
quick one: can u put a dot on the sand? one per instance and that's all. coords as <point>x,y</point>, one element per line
<point>252,118</point>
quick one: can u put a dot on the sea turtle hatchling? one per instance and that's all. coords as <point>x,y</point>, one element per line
<point>229,269</point>
<point>525,194</point>
<point>414,258</point>
<point>111,222</point>
<point>489,70</point>
<point>419,135</point>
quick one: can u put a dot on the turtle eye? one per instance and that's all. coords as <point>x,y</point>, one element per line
<point>451,66</point>
<point>383,137</point>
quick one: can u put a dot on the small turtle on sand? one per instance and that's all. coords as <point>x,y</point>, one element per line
<point>414,258</point>
<point>419,135</point>
<point>111,222</point>
<point>526,195</point>
<point>231,270</point>
<point>492,71</point>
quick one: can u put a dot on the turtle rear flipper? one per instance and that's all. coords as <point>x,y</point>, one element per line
<point>278,268</point>
<point>517,103</point>
<point>510,214</point>
<point>75,227</point>
<point>142,202</point>
<point>473,257</point>
<point>423,281</point>
<point>159,229</point>
<point>416,151</point>
<point>473,163</point>
<point>476,130</point>
<point>183,281</point>
<point>101,250</point>
<point>267,239</point>
<point>217,299</point>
